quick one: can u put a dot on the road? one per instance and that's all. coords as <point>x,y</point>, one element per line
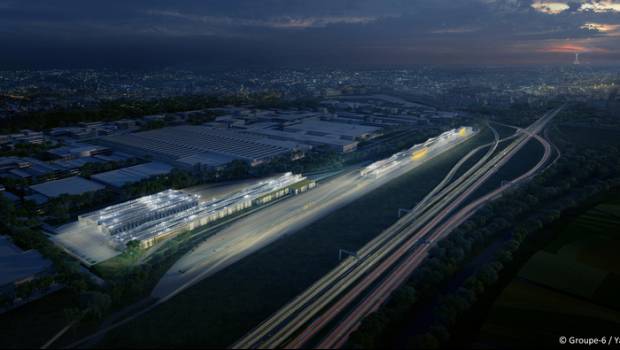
<point>339,288</point>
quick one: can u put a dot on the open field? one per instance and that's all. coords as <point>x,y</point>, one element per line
<point>569,287</point>
<point>211,313</point>
<point>526,314</point>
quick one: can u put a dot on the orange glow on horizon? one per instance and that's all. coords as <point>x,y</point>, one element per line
<point>565,47</point>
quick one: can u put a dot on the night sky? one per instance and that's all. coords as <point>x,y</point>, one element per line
<point>142,33</point>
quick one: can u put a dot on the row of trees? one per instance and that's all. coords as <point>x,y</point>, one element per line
<point>124,108</point>
<point>109,111</point>
<point>89,169</point>
<point>65,207</point>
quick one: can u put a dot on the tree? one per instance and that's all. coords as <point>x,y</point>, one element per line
<point>133,247</point>
<point>95,304</point>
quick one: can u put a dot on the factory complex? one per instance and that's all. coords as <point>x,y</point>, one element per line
<point>254,138</point>
<point>188,145</point>
<point>150,219</point>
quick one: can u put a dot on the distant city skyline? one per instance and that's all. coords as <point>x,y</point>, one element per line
<point>71,33</point>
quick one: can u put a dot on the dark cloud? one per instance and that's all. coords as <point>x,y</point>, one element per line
<point>243,32</point>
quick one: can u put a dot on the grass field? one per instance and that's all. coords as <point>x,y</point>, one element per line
<point>527,314</point>
<point>218,310</point>
<point>568,288</point>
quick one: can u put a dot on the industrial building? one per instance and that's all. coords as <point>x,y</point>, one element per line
<point>152,218</point>
<point>144,217</point>
<point>78,150</point>
<point>342,131</point>
<point>187,144</point>
<point>10,141</point>
<point>254,136</point>
<point>121,177</point>
<point>67,162</point>
<point>333,142</point>
<point>18,266</point>
<point>309,130</point>
<point>74,185</point>
<point>30,168</point>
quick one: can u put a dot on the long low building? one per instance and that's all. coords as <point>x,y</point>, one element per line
<point>74,185</point>
<point>17,266</point>
<point>344,131</point>
<point>199,143</point>
<point>152,218</point>
<point>331,141</point>
<point>120,177</point>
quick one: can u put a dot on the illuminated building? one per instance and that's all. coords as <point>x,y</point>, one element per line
<point>419,152</point>
<point>152,218</point>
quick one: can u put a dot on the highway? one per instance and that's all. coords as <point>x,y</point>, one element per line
<point>328,297</point>
<point>378,296</point>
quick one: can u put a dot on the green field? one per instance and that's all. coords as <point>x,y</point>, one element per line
<point>220,309</point>
<point>570,287</point>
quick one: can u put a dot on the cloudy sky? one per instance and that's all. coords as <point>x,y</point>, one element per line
<point>89,33</point>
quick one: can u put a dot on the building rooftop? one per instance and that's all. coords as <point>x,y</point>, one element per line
<point>207,159</point>
<point>308,139</point>
<point>347,131</point>
<point>16,265</point>
<point>189,140</point>
<point>120,177</point>
<point>74,185</point>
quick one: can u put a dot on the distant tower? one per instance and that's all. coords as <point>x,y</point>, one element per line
<point>576,61</point>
